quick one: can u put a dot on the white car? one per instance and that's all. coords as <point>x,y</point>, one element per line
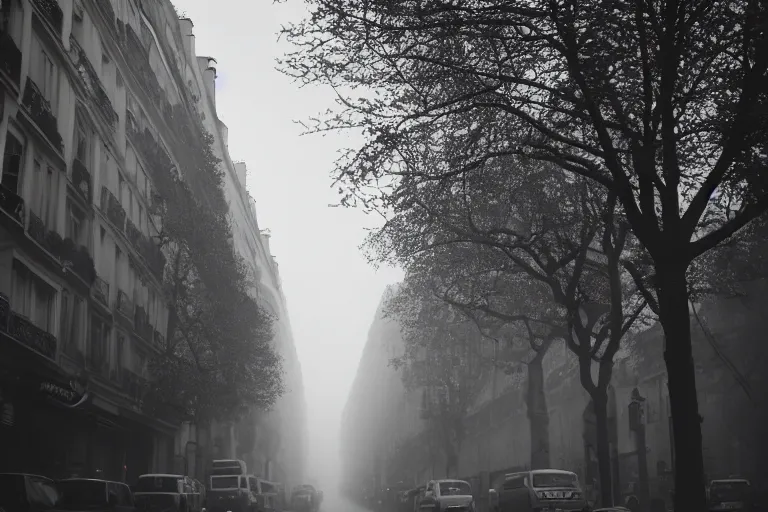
<point>447,496</point>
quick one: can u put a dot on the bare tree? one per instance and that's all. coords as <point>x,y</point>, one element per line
<point>547,247</point>
<point>664,104</point>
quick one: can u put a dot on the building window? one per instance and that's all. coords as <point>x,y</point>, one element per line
<point>11,19</point>
<point>98,349</point>
<point>76,225</point>
<point>12,164</point>
<point>45,196</point>
<point>72,312</point>
<point>45,75</point>
<point>32,297</point>
<point>82,143</point>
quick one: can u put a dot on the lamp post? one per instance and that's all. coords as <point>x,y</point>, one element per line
<point>637,425</point>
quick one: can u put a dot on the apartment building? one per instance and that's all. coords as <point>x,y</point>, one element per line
<point>86,92</point>
<point>272,443</point>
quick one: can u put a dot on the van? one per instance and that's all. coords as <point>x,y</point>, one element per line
<point>541,489</point>
<point>228,467</point>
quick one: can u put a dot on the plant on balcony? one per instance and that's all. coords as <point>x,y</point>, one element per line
<point>52,12</point>
<point>54,243</point>
<point>81,179</point>
<point>10,57</point>
<point>83,265</point>
<point>40,110</point>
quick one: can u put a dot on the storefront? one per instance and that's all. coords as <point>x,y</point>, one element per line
<point>55,425</point>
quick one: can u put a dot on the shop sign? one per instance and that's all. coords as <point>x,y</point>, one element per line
<point>73,395</point>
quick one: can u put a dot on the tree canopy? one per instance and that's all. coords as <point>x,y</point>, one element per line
<point>219,360</point>
<point>664,104</point>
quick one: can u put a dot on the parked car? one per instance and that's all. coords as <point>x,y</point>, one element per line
<point>448,496</point>
<point>20,492</point>
<point>167,493</point>
<point>79,494</point>
<point>528,491</point>
<point>233,493</point>
<point>730,494</point>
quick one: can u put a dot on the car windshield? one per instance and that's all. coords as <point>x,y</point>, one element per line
<point>554,480</point>
<point>82,494</point>
<point>728,491</point>
<point>16,490</point>
<point>224,482</point>
<point>455,489</point>
<point>157,484</point>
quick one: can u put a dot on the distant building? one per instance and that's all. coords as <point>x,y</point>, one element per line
<point>382,445</point>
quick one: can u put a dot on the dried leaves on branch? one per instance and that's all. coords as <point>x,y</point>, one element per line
<point>219,360</point>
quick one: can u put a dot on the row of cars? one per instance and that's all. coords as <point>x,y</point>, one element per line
<point>527,491</point>
<point>21,492</point>
<point>230,489</point>
<point>551,490</point>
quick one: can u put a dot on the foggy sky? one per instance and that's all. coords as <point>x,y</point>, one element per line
<point>332,292</point>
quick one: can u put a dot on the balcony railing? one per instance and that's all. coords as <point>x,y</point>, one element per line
<point>37,229</point>
<point>112,207</point>
<point>40,110</point>
<point>52,12</point>
<point>159,340</point>
<point>81,179</point>
<point>141,324</point>
<point>101,290</point>
<point>69,254</point>
<point>125,304</point>
<point>133,385</point>
<point>24,331</point>
<point>92,82</point>
<point>10,58</point>
<point>12,204</point>
<point>133,234</point>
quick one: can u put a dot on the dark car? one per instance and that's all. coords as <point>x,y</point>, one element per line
<point>21,492</point>
<point>85,494</point>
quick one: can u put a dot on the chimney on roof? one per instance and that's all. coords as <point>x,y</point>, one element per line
<point>187,35</point>
<point>242,172</point>
<point>207,67</point>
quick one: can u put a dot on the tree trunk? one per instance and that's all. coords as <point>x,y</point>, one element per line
<point>538,415</point>
<point>600,402</point>
<point>686,422</point>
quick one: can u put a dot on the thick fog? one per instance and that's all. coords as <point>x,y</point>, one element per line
<point>331,290</point>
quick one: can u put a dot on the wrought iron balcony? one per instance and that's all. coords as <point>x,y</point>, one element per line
<point>81,179</point>
<point>133,234</point>
<point>159,340</point>
<point>10,58</point>
<point>92,82</point>
<point>24,331</point>
<point>12,204</point>
<point>36,229</point>
<point>125,304</point>
<point>52,12</point>
<point>141,324</point>
<point>133,385</point>
<point>112,207</point>
<point>40,110</point>
<point>101,290</point>
<point>5,312</point>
